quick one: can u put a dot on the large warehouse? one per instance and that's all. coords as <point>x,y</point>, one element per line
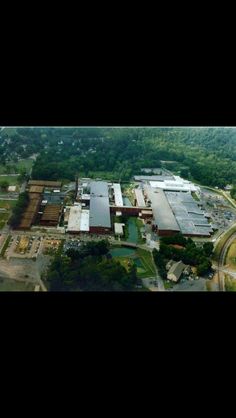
<point>51,215</point>
<point>117,194</point>
<point>168,182</point>
<point>139,198</point>
<point>164,218</point>
<point>99,216</point>
<point>190,217</point>
<point>45,183</point>
<point>30,214</point>
<point>175,184</point>
<point>78,220</point>
<point>177,212</point>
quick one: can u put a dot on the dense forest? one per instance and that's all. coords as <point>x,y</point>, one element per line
<point>91,268</point>
<point>206,155</point>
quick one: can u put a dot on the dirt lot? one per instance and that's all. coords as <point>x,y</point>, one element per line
<point>24,269</point>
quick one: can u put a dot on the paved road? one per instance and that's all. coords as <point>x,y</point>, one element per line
<point>23,187</point>
<point>229,199</point>
<point>160,282</point>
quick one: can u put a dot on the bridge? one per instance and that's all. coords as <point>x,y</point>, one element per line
<point>130,245</point>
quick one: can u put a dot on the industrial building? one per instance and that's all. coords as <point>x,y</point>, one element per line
<point>164,218</point>
<point>45,183</point>
<point>117,194</point>
<point>144,178</point>
<point>30,214</point>
<point>53,197</point>
<point>36,189</point>
<point>78,220</point>
<point>139,197</point>
<point>99,216</point>
<point>168,182</point>
<point>190,217</point>
<point>51,215</point>
<point>175,184</point>
<point>118,228</point>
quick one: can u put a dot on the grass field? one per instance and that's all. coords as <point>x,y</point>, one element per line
<point>231,256</point>
<point>7,204</point>
<point>146,259</point>
<point>222,241</point>
<point>142,260</point>
<point>3,218</point>
<point>7,242</point>
<point>26,163</point>
<point>12,180</point>
<point>7,285</point>
<point>230,284</point>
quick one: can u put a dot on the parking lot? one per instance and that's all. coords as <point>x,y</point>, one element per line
<point>221,214</point>
<point>23,247</point>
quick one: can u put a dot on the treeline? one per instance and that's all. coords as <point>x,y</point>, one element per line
<point>202,154</point>
<point>189,254</point>
<point>91,268</point>
<point>18,210</point>
<point>233,192</point>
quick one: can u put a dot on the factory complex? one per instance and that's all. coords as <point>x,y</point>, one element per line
<point>165,202</point>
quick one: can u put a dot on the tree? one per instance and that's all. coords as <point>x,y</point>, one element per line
<point>203,268</point>
<point>4,184</point>
<point>18,210</point>
<point>208,248</point>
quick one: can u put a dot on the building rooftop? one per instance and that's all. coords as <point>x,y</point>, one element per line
<point>190,217</point>
<point>176,269</point>
<point>99,205</point>
<point>45,183</point>
<point>30,212</point>
<point>51,213</point>
<point>162,212</point>
<point>118,195</point>
<point>36,189</point>
<point>84,221</point>
<point>74,219</point>
<point>139,197</point>
<point>85,196</point>
<point>118,228</point>
<point>153,178</point>
<point>175,184</point>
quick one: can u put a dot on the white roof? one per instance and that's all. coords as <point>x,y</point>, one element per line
<point>11,188</point>
<point>85,196</point>
<point>139,197</point>
<point>118,228</point>
<point>177,184</point>
<point>84,220</point>
<point>118,194</point>
<point>74,218</point>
